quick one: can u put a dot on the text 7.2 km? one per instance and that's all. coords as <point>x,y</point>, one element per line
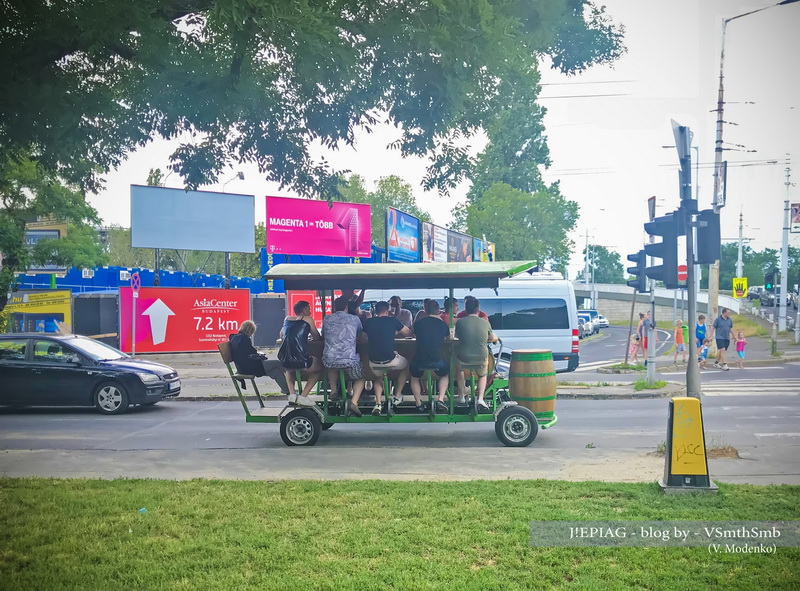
<point>207,323</point>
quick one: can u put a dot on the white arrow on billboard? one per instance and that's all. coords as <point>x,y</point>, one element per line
<point>159,313</point>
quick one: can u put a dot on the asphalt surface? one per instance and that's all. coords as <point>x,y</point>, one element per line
<point>593,440</point>
<point>755,410</point>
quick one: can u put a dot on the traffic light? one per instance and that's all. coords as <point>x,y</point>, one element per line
<point>668,228</point>
<point>708,237</point>
<point>639,281</point>
<point>769,281</point>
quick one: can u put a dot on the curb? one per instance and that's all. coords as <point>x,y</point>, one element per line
<point>671,367</point>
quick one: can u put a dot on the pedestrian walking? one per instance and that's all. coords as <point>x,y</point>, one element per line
<point>702,354</point>
<point>721,330</point>
<point>741,343</point>
<point>633,350</point>
<point>700,330</point>
<point>680,343</point>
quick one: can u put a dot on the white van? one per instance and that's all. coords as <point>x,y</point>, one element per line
<point>535,311</point>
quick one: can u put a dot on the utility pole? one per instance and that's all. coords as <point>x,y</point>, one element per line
<point>586,267</point>
<point>741,239</point>
<point>783,295</point>
<point>718,198</point>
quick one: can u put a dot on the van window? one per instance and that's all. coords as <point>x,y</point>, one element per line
<point>527,314</point>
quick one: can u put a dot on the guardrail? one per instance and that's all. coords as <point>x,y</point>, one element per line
<point>725,301</point>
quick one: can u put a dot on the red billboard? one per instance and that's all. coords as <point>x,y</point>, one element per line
<point>292,297</point>
<point>181,319</point>
<point>307,226</point>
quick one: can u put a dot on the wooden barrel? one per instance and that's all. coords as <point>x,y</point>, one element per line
<point>532,381</point>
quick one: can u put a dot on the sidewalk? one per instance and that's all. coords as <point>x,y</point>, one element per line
<point>758,353</point>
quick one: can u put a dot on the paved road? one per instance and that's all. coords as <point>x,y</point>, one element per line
<point>210,439</point>
<point>609,347</point>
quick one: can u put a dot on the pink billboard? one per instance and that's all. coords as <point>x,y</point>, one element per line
<point>306,226</point>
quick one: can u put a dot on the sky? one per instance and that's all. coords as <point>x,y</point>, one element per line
<point>606,128</point>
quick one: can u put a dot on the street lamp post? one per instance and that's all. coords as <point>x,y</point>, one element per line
<point>713,273</point>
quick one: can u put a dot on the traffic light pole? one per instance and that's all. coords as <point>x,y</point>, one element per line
<point>651,342</point>
<point>692,368</point>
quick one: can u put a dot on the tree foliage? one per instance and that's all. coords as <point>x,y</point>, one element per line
<point>754,265</point>
<point>262,81</point>
<point>606,264</point>
<point>524,226</point>
<point>390,191</point>
<point>29,192</point>
<point>120,253</point>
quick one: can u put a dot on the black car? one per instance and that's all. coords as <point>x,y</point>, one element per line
<point>70,370</point>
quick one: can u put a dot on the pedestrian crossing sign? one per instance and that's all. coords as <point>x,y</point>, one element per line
<point>740,287</point>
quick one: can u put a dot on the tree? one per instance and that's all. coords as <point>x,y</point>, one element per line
<point>754,265</point>
<point>606,264</point>
<point>390,191</point>
<point>262,81</point>
<point>28,192</point>
<point>525,226</point>
<point>120,253</point>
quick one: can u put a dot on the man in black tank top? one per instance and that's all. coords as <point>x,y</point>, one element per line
<point>296,331</point>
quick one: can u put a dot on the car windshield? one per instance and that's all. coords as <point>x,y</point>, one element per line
<point>96,350</point>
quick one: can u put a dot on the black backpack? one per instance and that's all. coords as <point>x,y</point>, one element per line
<point>293,354</point>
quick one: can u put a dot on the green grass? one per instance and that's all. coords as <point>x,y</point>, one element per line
<point>363,535</point>
<point>637,366</point>
<point>748,326</point>
<point>642,384</point>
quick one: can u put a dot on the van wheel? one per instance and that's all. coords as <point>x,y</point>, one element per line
<point>516,426</point>
<point>301,427</point>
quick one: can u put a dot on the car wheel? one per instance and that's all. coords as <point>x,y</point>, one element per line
<point>516,426</point>
<point>111,398</point>
<point>301,427</point>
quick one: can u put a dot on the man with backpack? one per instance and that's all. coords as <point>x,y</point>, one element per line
<point>293,354</point>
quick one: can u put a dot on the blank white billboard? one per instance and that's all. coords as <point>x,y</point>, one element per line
<point>192,220</point>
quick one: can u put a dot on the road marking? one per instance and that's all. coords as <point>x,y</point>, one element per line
<point>596,364</point>
<point>777,434</point>
<point>786,387</point>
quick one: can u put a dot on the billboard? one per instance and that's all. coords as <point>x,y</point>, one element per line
<point>45,229</point>
<point>307,226</point>
<point>483,251</point>
<point>459,247</point>
<point>480,251</point>
<point>192,220</point>
<point>434,243</point>
<point>181,319</point>
<point>39,311</point>
<point>312,297</point>
<point>794,221</point>
<point>402,237</point>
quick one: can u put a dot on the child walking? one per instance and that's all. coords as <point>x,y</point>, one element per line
<point>633,350</point>
<point>702,354</point>
<point>680,343</point>
<point>741,343</point>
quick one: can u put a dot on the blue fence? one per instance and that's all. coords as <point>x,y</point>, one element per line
<point>102,279</point>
